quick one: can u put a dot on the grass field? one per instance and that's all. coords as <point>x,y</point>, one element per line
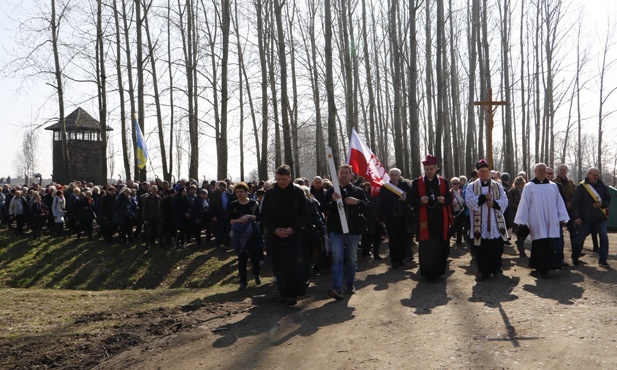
<point>62,295</point>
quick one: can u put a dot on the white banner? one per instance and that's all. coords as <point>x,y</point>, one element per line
<point>337,189</point>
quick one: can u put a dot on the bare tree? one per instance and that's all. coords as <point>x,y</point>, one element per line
<point>282,57</point>
<point>263,162</point>
<point>55,22</point>
<point>101,82</point>
<point>332,137</point>
<point>26,158</point>
<point>604,95</point>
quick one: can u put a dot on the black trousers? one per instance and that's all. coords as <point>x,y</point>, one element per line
<point>399,238</point>
<point>243,258</point>
<point>488,256</point>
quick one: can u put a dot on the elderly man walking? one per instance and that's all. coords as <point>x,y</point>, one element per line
<point>590,212</point>
<point>543,210</point>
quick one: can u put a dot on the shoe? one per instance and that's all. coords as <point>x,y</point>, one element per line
<point>402,264</point>
<point>565,264</point>
<point>576,262</point>
<point>596,249</point>
<point>605,265</point>
<point>334,294</point>
<point>483,277</point>
<point>257,280</point>
<point>242,286</point>
<point>377,257</point>
<point>581,255</point>
<point>292,301</point>
<point>395,266</point>
<point>351,289</point>
<point>522,254</point>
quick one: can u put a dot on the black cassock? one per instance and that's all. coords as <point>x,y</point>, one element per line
<point>432,253</point>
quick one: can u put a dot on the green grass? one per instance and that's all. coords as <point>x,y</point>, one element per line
<point>48,285</point>
<point>70,263</point>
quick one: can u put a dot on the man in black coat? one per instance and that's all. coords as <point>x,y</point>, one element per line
<point>394,212</point>
<point>284,213</point>
<point>219,199</point>
<point>590,213</point>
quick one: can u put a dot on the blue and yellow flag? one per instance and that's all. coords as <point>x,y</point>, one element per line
<point>141,152</point>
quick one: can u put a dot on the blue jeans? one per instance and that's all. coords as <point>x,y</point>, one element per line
<point>343,248</point>
<point>585,229</point>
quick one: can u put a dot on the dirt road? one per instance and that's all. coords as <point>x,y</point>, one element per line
<point>399,321</point>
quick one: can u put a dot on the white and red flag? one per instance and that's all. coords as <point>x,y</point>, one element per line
<point>365,163</point>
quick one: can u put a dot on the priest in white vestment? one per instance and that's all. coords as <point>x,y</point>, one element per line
<point>487,202</point>
<point>542,209</point>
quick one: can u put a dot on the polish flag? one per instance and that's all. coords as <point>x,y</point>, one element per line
<point>366,164</point>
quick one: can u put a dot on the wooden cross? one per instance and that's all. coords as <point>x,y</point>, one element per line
<point>489,107</point>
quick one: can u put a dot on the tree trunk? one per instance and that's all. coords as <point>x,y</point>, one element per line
<point>102,88</point>
<point>157,97</point>
<point>369,81</point>
<point>429,81</point>
<point>222,153</point>
<point>167,175</point>
<point>414,111</point>
<point>505,43</point>
<point>470,153</point>
<point>263,162</point>
<point>282,57</point>
<point>332,137</point>
<point>320,155</point>
<point>125,148</point>
<point>140,174</point>
<point>55,25</point>
<point>293,109</point>
<point>396,84</point>
<point>129,70</point>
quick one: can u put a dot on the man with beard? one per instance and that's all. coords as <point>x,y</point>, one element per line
<point>431,199</point>
<point>285,212</point>
<point>542,209</point>
<point>487,201</point>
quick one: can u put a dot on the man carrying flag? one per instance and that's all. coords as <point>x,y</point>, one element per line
<point>141,152</point>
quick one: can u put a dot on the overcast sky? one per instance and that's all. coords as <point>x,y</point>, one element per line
<point>25,104</point>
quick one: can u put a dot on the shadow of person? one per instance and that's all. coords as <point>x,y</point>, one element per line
<point>495,291</point>
<point>560,287</point>
<point>427,295</point>
<point>282,323</point>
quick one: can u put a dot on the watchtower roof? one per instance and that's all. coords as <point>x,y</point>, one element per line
<point>78,120</point>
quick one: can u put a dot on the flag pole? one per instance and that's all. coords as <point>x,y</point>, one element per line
<point>337,188</point>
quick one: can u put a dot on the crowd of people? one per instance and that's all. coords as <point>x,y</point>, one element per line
<point>303,226</point>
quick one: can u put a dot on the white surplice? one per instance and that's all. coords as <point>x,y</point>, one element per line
<point>541,209</point>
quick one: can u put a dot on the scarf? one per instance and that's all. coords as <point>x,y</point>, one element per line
<point>424,235</point>
<point>477,218</point>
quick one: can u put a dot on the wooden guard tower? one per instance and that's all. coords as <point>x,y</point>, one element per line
<point>85,145</point>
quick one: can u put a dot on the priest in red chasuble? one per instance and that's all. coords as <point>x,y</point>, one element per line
<point>432,201</point>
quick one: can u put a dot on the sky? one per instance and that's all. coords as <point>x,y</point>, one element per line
<point>27,104</point>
